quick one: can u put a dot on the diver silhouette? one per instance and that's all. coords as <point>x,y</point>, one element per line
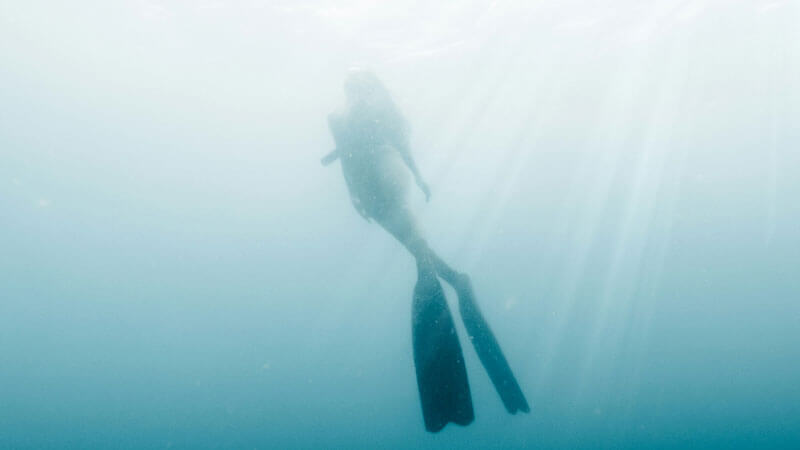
<point>372,144</point>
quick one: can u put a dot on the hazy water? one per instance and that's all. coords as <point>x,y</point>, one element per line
<point>178,271</point>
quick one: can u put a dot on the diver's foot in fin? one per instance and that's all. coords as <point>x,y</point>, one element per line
<point>441,373</point>
<point>488,349</point>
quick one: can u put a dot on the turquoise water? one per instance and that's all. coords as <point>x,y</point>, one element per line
<point>177,269</point>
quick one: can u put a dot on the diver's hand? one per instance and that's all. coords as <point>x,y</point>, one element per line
<point>423,186</point>
<point>330,157</point>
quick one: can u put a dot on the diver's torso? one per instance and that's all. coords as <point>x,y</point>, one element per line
<point>373,168</point>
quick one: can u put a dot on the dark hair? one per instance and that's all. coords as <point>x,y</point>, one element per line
<point>367,89</point>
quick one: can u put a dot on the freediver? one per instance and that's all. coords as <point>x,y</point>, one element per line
<point>372,144</point>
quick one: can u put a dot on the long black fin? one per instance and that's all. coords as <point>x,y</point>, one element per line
<point>441,373</point>
<point>489,351</point>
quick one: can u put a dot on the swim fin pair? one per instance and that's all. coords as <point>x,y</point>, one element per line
<point>441,373</point>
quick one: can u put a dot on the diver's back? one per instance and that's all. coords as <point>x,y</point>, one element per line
<point>375,172</point>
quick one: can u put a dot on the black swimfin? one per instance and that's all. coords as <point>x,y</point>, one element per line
<point>489,351</point>
<point>441,373</point>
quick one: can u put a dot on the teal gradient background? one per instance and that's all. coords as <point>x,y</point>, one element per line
<point>620,179</point>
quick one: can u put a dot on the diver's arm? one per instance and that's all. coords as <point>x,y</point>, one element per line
<point>330,157</point>
<point>405,153</point>
<point>335,125</point>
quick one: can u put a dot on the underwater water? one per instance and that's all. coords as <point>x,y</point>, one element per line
<point>178,270</point>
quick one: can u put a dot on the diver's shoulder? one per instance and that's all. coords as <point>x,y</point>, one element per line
<point>337,116</point>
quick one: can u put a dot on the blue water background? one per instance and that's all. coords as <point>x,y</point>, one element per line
<point>177,270</point>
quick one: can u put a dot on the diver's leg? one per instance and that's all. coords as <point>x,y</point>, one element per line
<point>402,226</point>
<point>441,373</point>
<point>488,350</point>
<point>420,249</point>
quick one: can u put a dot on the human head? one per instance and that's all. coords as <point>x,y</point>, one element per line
<point>362,87</point>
